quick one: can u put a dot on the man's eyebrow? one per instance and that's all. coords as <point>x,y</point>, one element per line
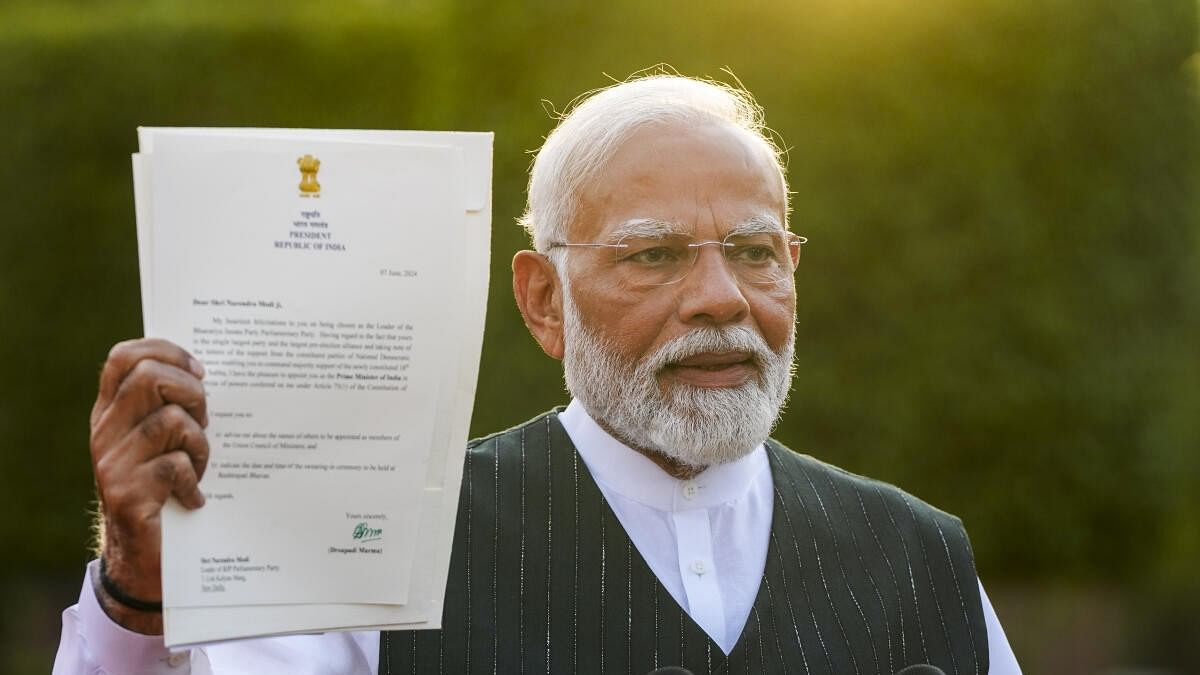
<point>756,225</point>
<point>653,227</point>
<point>644,227</point>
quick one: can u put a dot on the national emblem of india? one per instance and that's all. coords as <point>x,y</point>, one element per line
<point>309,166</point>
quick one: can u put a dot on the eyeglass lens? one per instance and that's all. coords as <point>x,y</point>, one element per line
<point>755,258</point>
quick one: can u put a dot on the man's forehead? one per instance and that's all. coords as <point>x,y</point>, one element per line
<point>679,179</point>
<point>650,150</point>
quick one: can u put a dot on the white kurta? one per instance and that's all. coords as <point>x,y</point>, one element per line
<point>705,539</point>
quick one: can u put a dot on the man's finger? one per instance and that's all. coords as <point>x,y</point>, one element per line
<point>166,430</point>
<point>149,386</point>
<point>172,473</point>
<point>138,500</point>
<point>126,355</point>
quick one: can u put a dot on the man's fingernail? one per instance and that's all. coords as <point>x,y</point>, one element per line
<point>199,500</point>
<point>195,366</point>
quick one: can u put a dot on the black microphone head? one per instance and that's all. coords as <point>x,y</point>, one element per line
<point>671,670</point>
<point>921,669</point>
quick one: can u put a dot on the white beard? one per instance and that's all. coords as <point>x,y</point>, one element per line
<point>696,426</point>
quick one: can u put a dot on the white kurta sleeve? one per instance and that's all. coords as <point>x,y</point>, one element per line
<point>93,644</point>
<point>1001,659</point>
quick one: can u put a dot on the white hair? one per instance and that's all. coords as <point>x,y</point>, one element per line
<point>596,126</point>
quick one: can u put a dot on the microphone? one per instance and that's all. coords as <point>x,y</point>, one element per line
<point>921,669</point>
<point>677,670</point>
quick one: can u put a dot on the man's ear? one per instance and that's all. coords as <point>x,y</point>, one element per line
<point>539,296</point>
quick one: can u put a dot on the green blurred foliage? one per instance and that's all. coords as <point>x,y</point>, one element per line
<point>998,309</point>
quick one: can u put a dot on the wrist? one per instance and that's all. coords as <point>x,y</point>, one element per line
<point>139,619</point>
<point>117,593</point>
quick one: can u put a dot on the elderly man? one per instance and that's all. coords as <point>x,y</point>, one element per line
<point>650,523</point>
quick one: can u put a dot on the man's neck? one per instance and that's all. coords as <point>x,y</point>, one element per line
<point>673,467</point>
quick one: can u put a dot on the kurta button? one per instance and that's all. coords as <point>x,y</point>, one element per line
<point>177,659</point>
<point>699,567</point>
<point>690,490</point>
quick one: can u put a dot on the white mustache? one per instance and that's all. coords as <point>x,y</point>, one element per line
<point>709,340</point>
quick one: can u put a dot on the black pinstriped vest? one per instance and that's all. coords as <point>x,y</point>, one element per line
<point>860,578</point>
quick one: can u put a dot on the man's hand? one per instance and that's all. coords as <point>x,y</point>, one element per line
<point>147,441</point>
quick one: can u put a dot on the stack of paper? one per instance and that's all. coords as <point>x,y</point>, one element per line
<point>334,285</point>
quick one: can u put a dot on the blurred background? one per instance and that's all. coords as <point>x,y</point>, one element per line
<point>999,309</point>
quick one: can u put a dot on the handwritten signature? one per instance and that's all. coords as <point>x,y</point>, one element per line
<point>364,532</point>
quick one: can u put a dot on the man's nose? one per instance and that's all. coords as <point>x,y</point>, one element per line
<point>710,292</point>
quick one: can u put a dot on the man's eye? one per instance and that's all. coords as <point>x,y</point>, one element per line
<point>657,255</point>
<point>752,254</point>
